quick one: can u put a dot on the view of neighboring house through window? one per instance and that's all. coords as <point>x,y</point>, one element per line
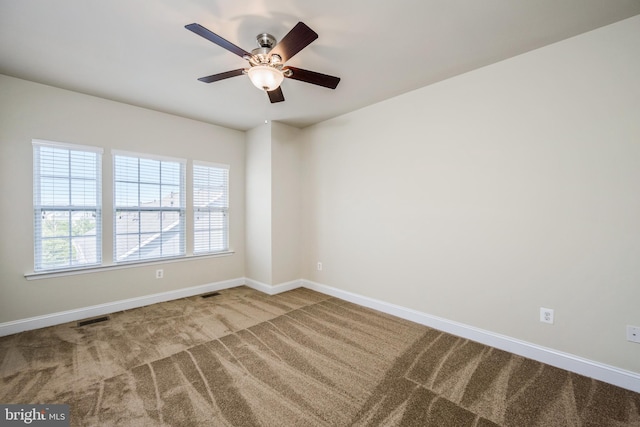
<point>210,208</point>
<point>149,207</point>
<point>67,205</point>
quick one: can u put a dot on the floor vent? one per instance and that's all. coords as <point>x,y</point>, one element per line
<point>93,320</point>
<point>209,295</point>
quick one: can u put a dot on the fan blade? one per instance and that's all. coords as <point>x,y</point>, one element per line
<point>222,76</point>
<point>276,95</point>
<point>312,77</point>
<point>295,40</point>
<point>213,37</point>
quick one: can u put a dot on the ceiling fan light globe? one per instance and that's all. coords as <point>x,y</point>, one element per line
<point>265,78</point>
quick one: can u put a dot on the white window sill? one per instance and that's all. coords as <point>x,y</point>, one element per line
<point>100,268</point>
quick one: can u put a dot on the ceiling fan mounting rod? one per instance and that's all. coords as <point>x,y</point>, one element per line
<point>266,40</point>
<point>260,55</point>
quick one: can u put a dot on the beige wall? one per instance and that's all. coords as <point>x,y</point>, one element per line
<point>29,110</point>
<point>286,150</point>
<point>484,197</point>
<point>273,204</point>
<point>258,204</point>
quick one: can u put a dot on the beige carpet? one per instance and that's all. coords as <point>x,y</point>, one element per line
<point>300,358</point>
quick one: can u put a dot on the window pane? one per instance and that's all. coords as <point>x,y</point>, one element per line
<point>66,182</point>
<point>150,222</point>
<point>149,195</point>
<point>152,226</point>
<point>171,173</point>
<point>171,196</point>
<point>126,169</point>
<point>201,221</point>
<point>56,252</point>
<point>82,165</point>
<point>54,162</point>
<point>55,224</point>
<point>210,205</point>
<point>83,223</point>
<point>84,250</point>
<point>171,245</point>
<point>201,241</point>
<point>127,247</point>
<point>171,219</point>
<point>83,192</point>
<point>126,194</point>
<point>210,186</point>
<point>54,191</point>
<point>150,246</point>
<point>149,170</point>
<point>127,222</point>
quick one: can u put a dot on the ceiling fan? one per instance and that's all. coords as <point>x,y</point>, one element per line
<point>267,69</point>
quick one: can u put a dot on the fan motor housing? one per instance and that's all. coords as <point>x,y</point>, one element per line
<point>261,54</point>
<point>266,40</point>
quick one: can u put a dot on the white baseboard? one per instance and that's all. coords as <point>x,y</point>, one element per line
<point>37,322</point>
<point>600,371</point>
<point>272,289</point>
<point>13,327</point>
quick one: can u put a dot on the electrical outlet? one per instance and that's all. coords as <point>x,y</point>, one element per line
<point>633,333</point>
<point>159,273</point>
<point>319,266</point>
<point>546,315</point>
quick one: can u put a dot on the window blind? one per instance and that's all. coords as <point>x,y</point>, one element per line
<point>210,208</point>
<point>67,202</point>
<point>149,207</point>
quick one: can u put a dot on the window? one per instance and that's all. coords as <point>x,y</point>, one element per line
<point>210,208</point>
<point>67,205</point>
<point>149,207</point>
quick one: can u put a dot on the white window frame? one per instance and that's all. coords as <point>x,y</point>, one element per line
<point>215,201</point>
<point>44,193</point>
<point>145,237</point>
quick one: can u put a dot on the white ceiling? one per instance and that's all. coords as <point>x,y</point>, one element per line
<point>139,52</point>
